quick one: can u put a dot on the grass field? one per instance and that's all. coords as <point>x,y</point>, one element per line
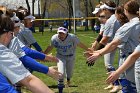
<point>85,79</point>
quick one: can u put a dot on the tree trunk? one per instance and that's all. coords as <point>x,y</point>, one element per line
<point>86,13</point>
<point>70,12</point>
<point>91,10</point>
<point>33,2</point>
<point>28,6</point>
<point>41,29</point>
<point>39,8</point>
<point>117,2</point>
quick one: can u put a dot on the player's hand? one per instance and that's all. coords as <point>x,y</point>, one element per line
<point>93,47</point>
<point>93,57</point>
<point>54,73</point>
<point>90,63</point>
<point>51,58</point>
<point>112,77</point>
<point>87,54</point>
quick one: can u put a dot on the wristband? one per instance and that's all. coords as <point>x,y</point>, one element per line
<point>99,38</point>
<point>100,46</point>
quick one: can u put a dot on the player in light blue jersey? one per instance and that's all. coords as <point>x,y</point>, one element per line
<point>16,47</point>
<point>65,44</point>
<point>126,39</point>
<point>25,35</point>
<point>11,67</point>
<point>111,25</point>
<point>134,58</point>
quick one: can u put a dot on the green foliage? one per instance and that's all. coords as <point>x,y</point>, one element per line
<point>85,79</point>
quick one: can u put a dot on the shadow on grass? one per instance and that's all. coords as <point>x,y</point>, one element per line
<point>55,86</point>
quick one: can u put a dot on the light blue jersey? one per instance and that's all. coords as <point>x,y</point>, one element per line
<point>138,48</point>
<point>66,47</point>
<point>26,36</point>
<point>11,66</point>
<point>129,35</point>
<point>16,47</point>
<point>111,26</point>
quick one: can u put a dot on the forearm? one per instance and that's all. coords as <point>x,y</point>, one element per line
<point>109,47</point>
<point>49,48</point>
<point>128,63</point>
<point>83,46</point>
<point>37,47</point>
<point>35,85</point>
<point>94,45</point>
<point>34,65</point>
<point>103,42</point>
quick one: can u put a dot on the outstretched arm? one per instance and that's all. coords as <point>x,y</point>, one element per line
<point>35,85</point>
<point>108,48</point>
<point>48,49</point>
<point>128,63</point>
<point>83,46</point>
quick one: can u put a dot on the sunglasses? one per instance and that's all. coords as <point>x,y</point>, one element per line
<point>12,33</point>
<point>16,21</point>
<point>64,29</point>
<point>102,16</point>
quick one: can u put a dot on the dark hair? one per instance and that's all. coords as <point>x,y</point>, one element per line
<point>10,13</point>
<point>121,16</point>
<point>6,24</point>
<point>132,7</point>
<point>1,12</point>
<point>22,14</point>
<point>111,4</point>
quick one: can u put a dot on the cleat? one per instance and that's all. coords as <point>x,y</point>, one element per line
<point>109,87</point>
<point>115,89</point>
<point>67,84</point>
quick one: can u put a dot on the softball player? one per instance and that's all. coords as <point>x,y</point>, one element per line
<point>27,57</point>
<point>131,60</point>
<point>25,35</point>
<point>127,37</point>
<point>65,44</point>
<point>11,66</point>
<point>110,28</point>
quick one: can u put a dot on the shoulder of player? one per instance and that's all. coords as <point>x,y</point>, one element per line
<point>71,35</point>
<point>54,36</point>
<point>111,20</point>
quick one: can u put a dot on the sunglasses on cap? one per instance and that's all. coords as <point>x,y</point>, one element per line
<point>64,29</point>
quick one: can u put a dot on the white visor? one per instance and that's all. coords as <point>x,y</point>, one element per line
<point>96,10</point>
<point>104,6</point>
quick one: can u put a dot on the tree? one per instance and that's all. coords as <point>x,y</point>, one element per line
<point>41,28</point>
<point>33,2</point>
<point>86,13</point>
<point>28,6</point>
<point>91,8</point>
<point>70,12</point>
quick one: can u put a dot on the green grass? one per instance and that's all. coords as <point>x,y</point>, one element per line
<point>85,79</point>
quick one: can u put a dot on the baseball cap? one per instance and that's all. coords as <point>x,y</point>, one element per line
<point>30,17</point>
<point>96,10</point>
<point>63,30</point>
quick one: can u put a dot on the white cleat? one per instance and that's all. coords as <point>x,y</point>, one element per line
<point>115,89</point>
<point>109,87</point>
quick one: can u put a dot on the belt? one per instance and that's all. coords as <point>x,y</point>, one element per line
<point>66,55</point>
<point>124,55</point>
